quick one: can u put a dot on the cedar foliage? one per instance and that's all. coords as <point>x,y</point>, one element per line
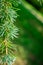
<point>8,31</point>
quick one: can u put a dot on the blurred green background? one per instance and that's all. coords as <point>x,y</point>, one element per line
<point>29,44</point>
